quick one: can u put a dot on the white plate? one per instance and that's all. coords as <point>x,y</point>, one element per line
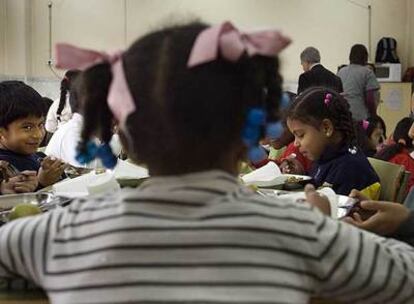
<point>344,204</point>
<point>339,204</point>
<point>279,180</point>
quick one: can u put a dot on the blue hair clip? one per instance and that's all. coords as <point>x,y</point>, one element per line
<point>256,118</point>
<point>92,151</point>
<point>274,130</point>
<point>108,158</point>
<point>256,154</point>
<point>88,155</point>
<point>284,102</point>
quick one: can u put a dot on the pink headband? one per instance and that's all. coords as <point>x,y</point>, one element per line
<point>120,100</point>
<point>232,44</point>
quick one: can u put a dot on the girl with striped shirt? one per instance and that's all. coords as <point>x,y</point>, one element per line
<point>192,233</point>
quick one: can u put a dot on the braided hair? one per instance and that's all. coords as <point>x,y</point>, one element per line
<point>65,85</point>
<point>186,119</point>
<point>310,108</point>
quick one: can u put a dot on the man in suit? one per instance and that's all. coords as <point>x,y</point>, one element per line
<point>315,74</point>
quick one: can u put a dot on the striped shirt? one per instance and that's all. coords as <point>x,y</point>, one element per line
<point>202,238</point>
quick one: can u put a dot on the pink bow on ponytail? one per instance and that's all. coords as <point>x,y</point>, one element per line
<point>120,100</point>
<point>232,44</point>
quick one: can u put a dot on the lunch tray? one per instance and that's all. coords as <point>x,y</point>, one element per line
<point>45,200</point>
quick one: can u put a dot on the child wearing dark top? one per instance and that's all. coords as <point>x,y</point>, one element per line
<point>399,152</point>
<point>22,130</point>
<point>324,132</point>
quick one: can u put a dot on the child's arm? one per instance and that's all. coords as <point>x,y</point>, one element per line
<point>26,181</point>
<point>24,244</point>
<point>372,95</point>
<point>372,101</point>
<point>356,266</point>
<point>12,181</point>
<point>50,171</point>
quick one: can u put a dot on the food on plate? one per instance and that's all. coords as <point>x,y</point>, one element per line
<point>294,179</point>
<point>253,187</point>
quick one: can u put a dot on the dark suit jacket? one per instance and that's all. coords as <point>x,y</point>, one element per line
<point>318,76</point>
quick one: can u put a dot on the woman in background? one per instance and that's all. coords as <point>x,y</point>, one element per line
<point>361,88</point>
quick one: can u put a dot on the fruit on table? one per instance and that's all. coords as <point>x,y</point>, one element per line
<point>24,210</point>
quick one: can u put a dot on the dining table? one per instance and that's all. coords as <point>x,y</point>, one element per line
<point>39,297</point>
<point>20,291</point>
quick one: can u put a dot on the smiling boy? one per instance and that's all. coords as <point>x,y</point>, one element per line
<point>22,130</point>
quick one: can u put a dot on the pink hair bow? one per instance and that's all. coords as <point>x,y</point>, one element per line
<point>231,44</point>
<point>120,100</point>
<point>328,99</point>
<point>365,124</point>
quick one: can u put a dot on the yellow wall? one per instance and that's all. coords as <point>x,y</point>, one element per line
<point>333,26</point>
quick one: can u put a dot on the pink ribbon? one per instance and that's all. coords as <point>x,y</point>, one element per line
<point>228,41</point>
<point>120,100</point>
<point>365,124</point>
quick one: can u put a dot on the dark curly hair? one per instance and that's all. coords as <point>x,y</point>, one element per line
<point>186,119</point>
<point>310,108</point>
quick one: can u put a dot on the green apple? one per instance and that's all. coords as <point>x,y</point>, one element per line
<point>24,210</point>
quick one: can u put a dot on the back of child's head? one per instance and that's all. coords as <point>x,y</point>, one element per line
<point>65,86</point>
<point>186,119</point>
<point>358,54</point>
<point>375,122</point>
<point>316,104</point>
<point>17,101</point>
<point>362,140</point>
<point>401,140</point>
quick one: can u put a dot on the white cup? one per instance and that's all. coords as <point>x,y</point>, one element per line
<point>104,182</point>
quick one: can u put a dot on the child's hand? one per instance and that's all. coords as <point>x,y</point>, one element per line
<point>6,170</point>
<point>387,219</point>
<point>292,166</point>
<point>50,171</point>
<point>26,181</point>
<point>315,198</point>
<point>358,195</point>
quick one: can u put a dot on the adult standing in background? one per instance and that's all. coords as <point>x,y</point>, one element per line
<point>361,87</point>
<point>315,74</point>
